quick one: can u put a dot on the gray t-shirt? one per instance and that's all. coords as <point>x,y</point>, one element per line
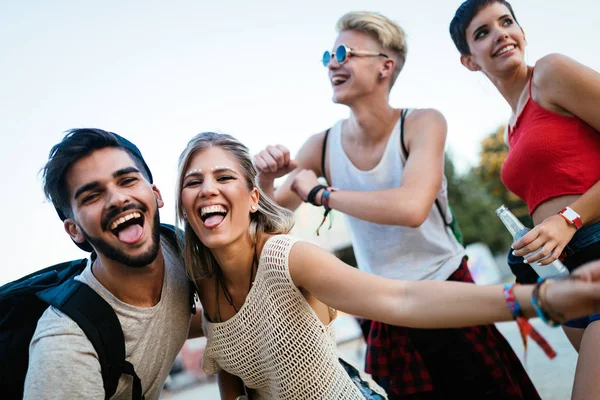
<point>64,365</point>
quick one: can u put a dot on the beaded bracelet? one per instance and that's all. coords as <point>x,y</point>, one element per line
<point>313,194</point>
<point>541,309</point>
<point>525,328</point>
<point>325,202</point>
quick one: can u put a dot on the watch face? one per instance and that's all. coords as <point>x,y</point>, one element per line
<point>571,216</point>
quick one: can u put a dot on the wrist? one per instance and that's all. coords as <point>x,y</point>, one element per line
<point>326,196</point>
<point>523,294</point>
<point>266,184</point>
<point>571,217</point>
<point>314,196</point>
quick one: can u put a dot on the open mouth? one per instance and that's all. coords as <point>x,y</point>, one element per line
<point>212,216</point>
<point>338,80</point>
<point>128,228</point>
<point>504,49</point>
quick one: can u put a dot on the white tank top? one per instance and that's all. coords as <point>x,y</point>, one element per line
<point>429,252</point>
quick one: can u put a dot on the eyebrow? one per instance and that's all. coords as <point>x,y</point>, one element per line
<point>216,171</point>
<point>476,31</point>
<point>95,184</point>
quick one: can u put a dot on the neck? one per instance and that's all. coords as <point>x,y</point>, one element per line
<point>512,84</point>
<point>140,287</point>
<point>235,261</point>
<point>371,118</point>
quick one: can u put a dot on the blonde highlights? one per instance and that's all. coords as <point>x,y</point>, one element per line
<point>388,34</point>
<point>269,217</point>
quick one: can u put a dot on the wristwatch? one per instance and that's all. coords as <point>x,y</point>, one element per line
<point>571,217</point>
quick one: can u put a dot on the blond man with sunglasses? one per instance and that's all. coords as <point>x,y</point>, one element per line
<point>385,166</point>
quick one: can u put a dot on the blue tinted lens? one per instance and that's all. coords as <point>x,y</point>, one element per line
<point>326,58</point>
<point>341,54</point>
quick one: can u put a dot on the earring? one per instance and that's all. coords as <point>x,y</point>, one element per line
<point>253,207</point>
<point>380,74</point>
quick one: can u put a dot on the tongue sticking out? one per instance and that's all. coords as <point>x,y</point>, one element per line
<point>213,221</point>
<point>131,234</point>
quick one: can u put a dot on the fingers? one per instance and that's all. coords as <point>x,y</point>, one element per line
<point>589,272</point>
<point>525,241</point>
<point>283,154</point>
<point>292,165</point>
<point>273,159</point>
<point>543,254</point>
<point>553,256</point>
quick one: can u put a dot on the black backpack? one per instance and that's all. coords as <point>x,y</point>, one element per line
<point>23,302</point>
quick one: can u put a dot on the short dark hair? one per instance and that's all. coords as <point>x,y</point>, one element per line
<point>463,17</point>
<point>77,144</point>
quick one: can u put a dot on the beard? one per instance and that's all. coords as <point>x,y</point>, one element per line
<point>120,256</point>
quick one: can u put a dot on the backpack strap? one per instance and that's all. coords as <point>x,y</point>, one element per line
<point>172,234</point>
<point>402,117</point>
<point>100,324</point>
<point>405,151</point>
<point>323,154</point>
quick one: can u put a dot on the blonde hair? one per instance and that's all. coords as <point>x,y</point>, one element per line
<point>269,218</point>
<point>387,33</point>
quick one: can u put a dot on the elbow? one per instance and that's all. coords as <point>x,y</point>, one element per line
<point>417,215</point>
<point>416,221</point>
<point>409,219</point>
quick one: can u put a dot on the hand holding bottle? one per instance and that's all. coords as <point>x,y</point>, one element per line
<point>544,243</point>
<point>521,235</point>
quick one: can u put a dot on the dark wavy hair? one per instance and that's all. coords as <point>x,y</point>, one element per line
<point>77,144</point>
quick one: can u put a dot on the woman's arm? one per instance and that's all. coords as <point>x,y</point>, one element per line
<point>574,88</point>
<point>427,304</point>
<point>409,204</point>
<point>230,386</point>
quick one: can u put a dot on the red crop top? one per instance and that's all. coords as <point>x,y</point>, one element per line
<point>550,155</point>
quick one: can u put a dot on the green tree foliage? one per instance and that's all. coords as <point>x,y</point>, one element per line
<point>476,195</point>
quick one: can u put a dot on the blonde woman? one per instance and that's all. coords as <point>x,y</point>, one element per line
<point>269,299</point>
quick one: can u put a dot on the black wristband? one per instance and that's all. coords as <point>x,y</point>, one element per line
<point>313,193</point>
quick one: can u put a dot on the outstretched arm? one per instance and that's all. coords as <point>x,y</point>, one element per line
<point>426,304</point>
<point>409,204</point>
<point>574,88</point>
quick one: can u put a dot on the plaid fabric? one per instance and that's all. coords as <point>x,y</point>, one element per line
<point>474,362</point>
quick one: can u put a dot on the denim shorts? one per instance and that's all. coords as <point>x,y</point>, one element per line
<point>363,386</point>
<point>583,247</point>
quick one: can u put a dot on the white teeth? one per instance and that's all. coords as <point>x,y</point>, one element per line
<point>338,79</point>
<point>212,209</point>
<point>505,49</point>
<point>127,217</point>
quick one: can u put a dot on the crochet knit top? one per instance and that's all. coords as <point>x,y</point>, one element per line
<point>276,343</point>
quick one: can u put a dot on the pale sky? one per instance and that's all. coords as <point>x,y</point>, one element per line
<point>159,72</point>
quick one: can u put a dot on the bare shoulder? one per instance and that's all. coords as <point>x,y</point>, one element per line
<point>558,78</point>
<point>309,155</point>
<point>426,118</point>
<point>551,69</point>
<point>302,257</point>
<point>425,125</point>
<point>313,143</point>
<point>551,64</point>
